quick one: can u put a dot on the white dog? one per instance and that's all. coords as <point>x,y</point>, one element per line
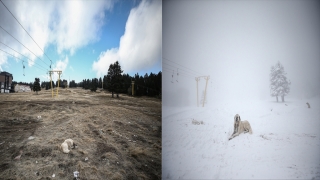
<point>240,127</point>
<point>67,145</point>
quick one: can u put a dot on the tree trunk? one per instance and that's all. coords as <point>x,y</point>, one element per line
<point>117,95</point>
<point>112,93</point>
<point>277,98</point>
<point>282,97</point>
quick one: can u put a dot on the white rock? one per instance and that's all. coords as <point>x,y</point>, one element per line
<point>53,175</point>
<point>76,174</point>
<point>30,138</point>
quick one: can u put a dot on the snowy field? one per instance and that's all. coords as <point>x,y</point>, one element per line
<point>285,143</point>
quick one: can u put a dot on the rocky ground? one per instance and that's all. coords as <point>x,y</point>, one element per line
<point>116,138</point>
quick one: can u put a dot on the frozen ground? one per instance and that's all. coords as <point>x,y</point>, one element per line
<point>285,143</point>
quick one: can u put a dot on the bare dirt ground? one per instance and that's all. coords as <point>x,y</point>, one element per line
<point>121,138</point>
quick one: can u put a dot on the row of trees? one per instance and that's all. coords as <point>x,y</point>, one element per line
<point>35,86</point>
<point>150,85</point>
<point>47,84</point>
<point>116,82</point>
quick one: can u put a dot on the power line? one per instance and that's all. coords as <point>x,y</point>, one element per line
<point>25,30</point>
<point>180,73</point>
<point>22,55</point>
<point>20,59</point>
<point>176,67</point>
<point>165,65</point>
<point>21,43</point>
<point>180,65</point>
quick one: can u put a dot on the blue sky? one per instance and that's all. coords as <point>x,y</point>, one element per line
<point>82,38</point>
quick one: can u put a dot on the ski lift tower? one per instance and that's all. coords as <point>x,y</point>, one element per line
<point>205,90</point>
<point>59,73</point>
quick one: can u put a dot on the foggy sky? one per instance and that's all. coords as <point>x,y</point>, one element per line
<point>236,43</point>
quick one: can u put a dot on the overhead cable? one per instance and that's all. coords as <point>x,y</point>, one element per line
<point>25,30</point>
<point>180,65</point>
<point>22,54</point>
<point>177,67</point>
<point>21,43</point>
<point>21,59</point>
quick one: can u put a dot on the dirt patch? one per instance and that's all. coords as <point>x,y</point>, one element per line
<point>115,138</point>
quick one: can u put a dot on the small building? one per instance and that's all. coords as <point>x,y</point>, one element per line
<point>22,88</point>
<point>5,82</point>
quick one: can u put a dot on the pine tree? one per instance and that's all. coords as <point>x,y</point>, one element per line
<point>100,83</point>
<point>94,84</point>
<point>114,78</point>
<point>105,82</point>
<point>36,85</point>
<point>279,84</point>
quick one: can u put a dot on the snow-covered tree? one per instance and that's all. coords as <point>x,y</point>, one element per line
<point>279,83</point>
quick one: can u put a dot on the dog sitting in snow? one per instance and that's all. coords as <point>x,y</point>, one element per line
<point>67,145</point>
<point>240,127</point>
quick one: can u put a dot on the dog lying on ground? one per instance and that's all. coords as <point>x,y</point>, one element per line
<point>236,123</point>
<point>240,127</point>
<point>67,145</point>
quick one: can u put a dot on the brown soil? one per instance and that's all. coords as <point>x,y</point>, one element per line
<point>121,137</point>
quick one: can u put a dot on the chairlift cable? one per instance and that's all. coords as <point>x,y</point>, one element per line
<point>20,59</point>
<point>21,54</point>
<point>25,30</point>
<point>22,44</point>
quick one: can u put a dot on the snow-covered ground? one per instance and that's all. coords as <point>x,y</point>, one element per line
<point>285,143</point>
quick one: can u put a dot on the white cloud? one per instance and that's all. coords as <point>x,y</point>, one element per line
<point>69,25</point>
<point>140,46</point>
<point>44,77</point>
<point>61,64</point>
<point>80,23</point>
<point>3,60</point>
<point>105,59</point>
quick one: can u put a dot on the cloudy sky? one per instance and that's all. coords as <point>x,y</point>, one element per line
<point>236,43</point>
<point>81,38</point>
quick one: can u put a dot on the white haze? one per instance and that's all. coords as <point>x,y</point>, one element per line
<point>236,43</point>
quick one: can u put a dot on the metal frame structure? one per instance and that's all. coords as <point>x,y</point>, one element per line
<point>59,73</point>
<point>205,90</point>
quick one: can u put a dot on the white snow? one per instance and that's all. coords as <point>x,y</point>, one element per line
<point>285,143</point>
